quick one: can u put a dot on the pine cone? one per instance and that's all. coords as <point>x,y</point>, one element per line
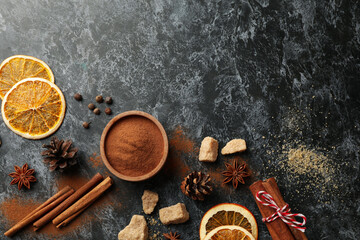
<point>196,185</point>
<point>59,154</point>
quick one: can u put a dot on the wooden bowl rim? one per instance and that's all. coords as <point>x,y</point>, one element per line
<point>104,135</point>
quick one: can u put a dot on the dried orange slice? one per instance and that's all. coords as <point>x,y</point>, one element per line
<point>228,214</point>
<point>229,233</point>
<point>33,108</point>
<point>19,67</point>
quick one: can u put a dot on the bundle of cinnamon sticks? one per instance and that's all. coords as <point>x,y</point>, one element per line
<point>278,229</point>
<point>64,206</point>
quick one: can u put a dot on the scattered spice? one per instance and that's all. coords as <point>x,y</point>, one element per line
<point>152,221</point>
<point>99,99</point>
<point>14,209</point>
<point>22,176</point>
<point>216,175</point>
<point>304,161</point>
<point>75,180</point>
<point>96,160</point>
<point>37,213</point>
<point>108,111</point>
<point>86,125</point>
<point>175,165</point>
<point>155,235</point>
<point>235,173</point>
<point>180,142</point>
<point>180,147</point>
<point>78,97</point>
<point>91,106</point>
<point>311,170</point>
<point>197,185</point>
<point>172,236</point>
<point>134,146</point>
<point>97,111</point>
<point>0,142</point>
<point>108,100</point>
<point>59,154</point>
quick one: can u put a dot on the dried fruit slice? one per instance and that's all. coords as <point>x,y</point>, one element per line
<point>229,233</point>
<point>228,214</point>
<point>33,108</point>
<point>19,67</point>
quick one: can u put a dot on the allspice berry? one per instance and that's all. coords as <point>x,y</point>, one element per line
<point>91,106</point>
<point>77,96</point>
<point>108,111</point>
<point>86,125</point>
<point>97,111</point>
<point>99,99</point>
<point>108,100</point>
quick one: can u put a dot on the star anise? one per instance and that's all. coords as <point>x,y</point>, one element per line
<point>235,173</point>
<point>22,176</point>
<point>172,236</point>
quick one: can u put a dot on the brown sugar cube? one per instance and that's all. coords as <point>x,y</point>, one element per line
<point>235,145</point>
<point>149,201</point>
<point>208,150</point>
<point>174,214</point>
<point>137,229</point>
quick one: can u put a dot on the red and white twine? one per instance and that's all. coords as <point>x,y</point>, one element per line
<point>283,213</point>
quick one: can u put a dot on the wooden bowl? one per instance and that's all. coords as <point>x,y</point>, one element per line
<point>103,151</point>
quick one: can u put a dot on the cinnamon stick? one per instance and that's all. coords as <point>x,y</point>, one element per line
<point>69,219</point>
<point>64,205</point>
<point>277,228</point>
<point>83,203</point>
<point>41,210</point>
<point>273,189</point>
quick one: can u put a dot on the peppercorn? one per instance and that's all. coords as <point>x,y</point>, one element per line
<point>108,111</point>
<point>99,99</point>
<point>108,100</point>
<point>77,96</point>
<point>86,125</point>
<point>91,106</point>
<point>97,111</point>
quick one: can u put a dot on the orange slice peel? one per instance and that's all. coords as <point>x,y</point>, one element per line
<point>33,108</point>
<point>229,233</point>
<point>19,67</point>
<point>226,214</point>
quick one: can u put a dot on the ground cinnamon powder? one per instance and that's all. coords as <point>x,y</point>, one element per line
<point>96,160</point>
<point>181,148</point>
<point>134,146</point>
<point>14,209</point>
<point>180,142</point>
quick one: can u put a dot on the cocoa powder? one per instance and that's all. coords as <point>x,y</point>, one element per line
<point>134,146</point>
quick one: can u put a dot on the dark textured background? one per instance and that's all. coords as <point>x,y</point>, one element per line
<point>279,74</point>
